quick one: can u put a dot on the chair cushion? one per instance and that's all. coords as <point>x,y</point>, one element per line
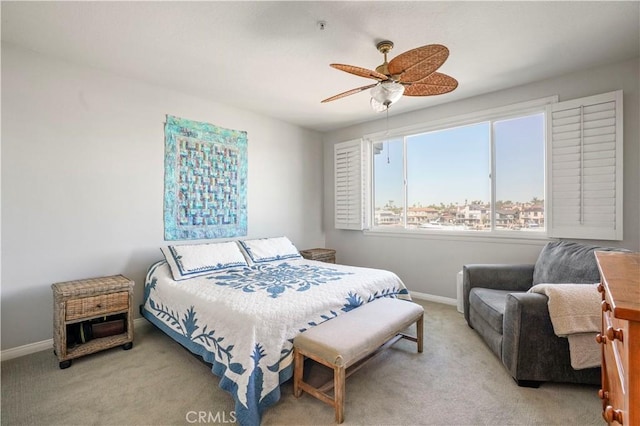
<point>491,337</point>
<point>567,262</point>
<point>489,304</point>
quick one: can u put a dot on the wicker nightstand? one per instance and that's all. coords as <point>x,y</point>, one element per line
<point>321,254</point>
<point>81,306</point>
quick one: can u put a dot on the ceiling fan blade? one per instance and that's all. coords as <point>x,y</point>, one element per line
<point>349,92</point>
<point>362,72</point>
<point>418,63</point>
<point>435,84</point>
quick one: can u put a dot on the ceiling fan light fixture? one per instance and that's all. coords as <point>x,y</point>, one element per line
<point>385,94</point>
<point>377,106</point>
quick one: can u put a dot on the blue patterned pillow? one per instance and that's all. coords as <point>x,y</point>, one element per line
<point>269,249</point>
<point>193,260</point>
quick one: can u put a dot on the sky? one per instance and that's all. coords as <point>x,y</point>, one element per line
<point>453,165</point>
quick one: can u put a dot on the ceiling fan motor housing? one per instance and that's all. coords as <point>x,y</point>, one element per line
<point>384,47</point>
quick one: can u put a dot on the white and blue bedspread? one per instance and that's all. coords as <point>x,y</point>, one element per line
<point>243,320</point>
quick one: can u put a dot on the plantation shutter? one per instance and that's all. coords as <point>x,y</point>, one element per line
<point>350,195</point>
<point>585,171</point>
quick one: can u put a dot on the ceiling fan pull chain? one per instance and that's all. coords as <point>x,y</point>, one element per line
<point>386,135</point>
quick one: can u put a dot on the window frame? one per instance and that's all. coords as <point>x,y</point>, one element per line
<point>537,106</point>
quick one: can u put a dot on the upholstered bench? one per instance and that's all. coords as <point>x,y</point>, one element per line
<point>349,340</point>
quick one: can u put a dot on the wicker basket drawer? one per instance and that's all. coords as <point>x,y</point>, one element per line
<point>320,254</point>
<point>330,258</point>
<point>97,305</point>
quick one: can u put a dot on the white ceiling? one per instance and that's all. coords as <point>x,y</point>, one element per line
<point>272,58</point>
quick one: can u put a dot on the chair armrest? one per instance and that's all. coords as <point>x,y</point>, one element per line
<point>495,276</point>
<point>530,348</point>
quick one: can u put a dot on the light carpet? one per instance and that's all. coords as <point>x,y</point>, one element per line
<point>455,381</point>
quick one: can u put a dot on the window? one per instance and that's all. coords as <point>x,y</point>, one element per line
<point>442,180</point>
<point>388,179</point>
<point>486,173</point>
<point>519,171</point>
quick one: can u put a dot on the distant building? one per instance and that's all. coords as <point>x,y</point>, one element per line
<point>506,218</point>
<point>416,216</point>
<point>532,217</point>
<point>386,218</point>
<point>474,216</point>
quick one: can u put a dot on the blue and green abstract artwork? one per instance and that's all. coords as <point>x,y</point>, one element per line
<point>205,181</point>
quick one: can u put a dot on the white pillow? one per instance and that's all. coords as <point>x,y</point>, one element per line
<point>269,249</point>
<point>193,260</point>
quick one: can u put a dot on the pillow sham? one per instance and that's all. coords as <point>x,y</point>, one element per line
<point>193,260</point>
<point>264,250</point>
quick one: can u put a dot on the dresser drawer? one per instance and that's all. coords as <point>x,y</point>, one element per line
<point>616,331</point>
<point>615,365</point>
<point>97,305</point>
<point>614,390</point>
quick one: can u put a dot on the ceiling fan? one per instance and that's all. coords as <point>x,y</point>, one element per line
<point>411,73</point>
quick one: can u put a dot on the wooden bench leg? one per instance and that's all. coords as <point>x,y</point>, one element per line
<point>298,370</point>
<point>338,395</point>
<point>339,372</point>
<point>420,332</point>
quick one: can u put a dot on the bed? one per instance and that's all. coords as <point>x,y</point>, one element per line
<point>242,316</point>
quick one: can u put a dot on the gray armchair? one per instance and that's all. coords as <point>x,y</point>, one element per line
<point>516,325</point>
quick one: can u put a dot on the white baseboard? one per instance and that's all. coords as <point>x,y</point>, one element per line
<point>26,349</point>
<point>433,298</point>
<point>44,345</point>
<point>138,322</point>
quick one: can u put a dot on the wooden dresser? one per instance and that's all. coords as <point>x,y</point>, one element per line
<point>620,337</point>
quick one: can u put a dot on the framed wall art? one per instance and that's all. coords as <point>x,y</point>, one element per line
<point>205,182</point>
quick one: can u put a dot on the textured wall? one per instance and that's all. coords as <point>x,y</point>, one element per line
<point>83,179</point>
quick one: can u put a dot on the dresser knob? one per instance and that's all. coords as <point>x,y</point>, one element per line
<point>601,339</point>
<point>611,415</point>
<point>614,333</point>
<point>605,306</point>
<point>99,305</point>
<point>603,394</point>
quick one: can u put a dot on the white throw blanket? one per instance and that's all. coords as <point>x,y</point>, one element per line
<point>575,314</point>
